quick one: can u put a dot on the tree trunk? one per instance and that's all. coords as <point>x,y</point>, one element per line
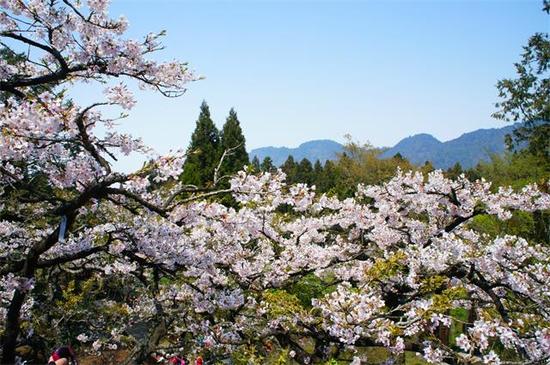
<point>11,329</point>
<point>12,325</point>
<point>147,345</point>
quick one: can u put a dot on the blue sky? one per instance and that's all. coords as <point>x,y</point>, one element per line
<point>302,70</point>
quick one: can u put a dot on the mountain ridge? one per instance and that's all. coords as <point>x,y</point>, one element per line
<point>468,149</point>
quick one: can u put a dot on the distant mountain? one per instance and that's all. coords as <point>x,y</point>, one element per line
<point>468,149</point>
<point>419,147</point>
<point>322,150</point>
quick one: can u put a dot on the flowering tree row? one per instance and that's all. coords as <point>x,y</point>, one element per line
<point>394,261</point>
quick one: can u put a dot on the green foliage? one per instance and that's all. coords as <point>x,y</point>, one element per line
<point>290,168</point>
<point>11,57</point>
<point>460,316</point>
<point>308,288</point>
<point>455,171</point>
<point>323,177</point>
<point>203,152</point>
<point>527,97</point>
<point>521,224</point>
<point>317,172</point>
<point>515,170</point>
<point>433,283</point>
<point>247,355</point>
<point>387,268</point>
<point>304,172</point>
<point>281,303</point>
<point>255,164</point>
<point>411,358</point>
<point>357,164</point>
<point>232,140</point>
<point>427,168</point>
<point>444,301</point>
<point>361,164</point>
<point>66,304</point>
<point>326,180</point>
<point>267,165</point>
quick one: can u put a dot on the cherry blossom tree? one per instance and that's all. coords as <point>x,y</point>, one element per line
<point>390,264</point>
<point>399,258</point>
<point>54,168</point>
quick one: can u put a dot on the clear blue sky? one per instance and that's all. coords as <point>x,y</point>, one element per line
<point>302,70</point>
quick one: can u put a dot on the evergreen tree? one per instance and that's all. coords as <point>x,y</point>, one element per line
<point>233,141</point>
<point>203,153</point>
<point>328,178</point>
<point>289,167</point>
<point>267,165</point>
<point>256,164</point>
<point>399,157</point>
<point>304,172</point>
<point>427,167</point>
<point>317,173</point>
<point>455,171</point>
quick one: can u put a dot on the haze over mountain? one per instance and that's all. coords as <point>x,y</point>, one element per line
<point>468,149</point>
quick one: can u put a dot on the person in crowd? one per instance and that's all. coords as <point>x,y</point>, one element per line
<point>63,355</point>
<point>175,360</point>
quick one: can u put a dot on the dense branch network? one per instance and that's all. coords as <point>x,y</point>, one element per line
<point>395,260</point>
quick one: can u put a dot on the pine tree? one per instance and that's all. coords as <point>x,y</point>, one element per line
<point>328,178</point>
<point>203,153</point>
<point>304,172</point>
<point>255,164</point>
<point>289,167</point>
<point>455,171</point>
<point>398,156</point>
<point>317,173</point>
<point>233,141</point>
<point>267,165</point>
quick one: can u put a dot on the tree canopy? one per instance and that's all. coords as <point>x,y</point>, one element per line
<point>146,262</point>
<point>233,141</point>
<point>527,98</point>
<point>203,152</point>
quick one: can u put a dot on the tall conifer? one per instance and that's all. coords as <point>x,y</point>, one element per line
<point>304,171</point>
<point>267,165</point>
<point>256,164</point>
<point>232,139</point>
<point>289,167</point>
<point>317,173</point>
<point>203,152</point>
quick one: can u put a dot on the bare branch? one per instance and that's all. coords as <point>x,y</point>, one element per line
<point>226,153</point>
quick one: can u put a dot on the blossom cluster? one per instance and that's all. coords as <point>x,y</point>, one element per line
<point>389,265</point>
